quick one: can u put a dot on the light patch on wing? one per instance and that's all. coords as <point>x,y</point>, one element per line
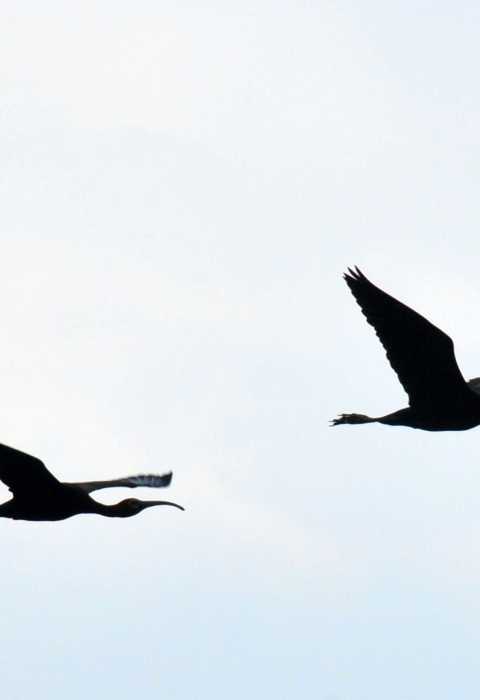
<point>150,480</point>
<point>474,384</point>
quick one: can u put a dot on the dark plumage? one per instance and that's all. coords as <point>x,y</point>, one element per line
<point>423,357</point>
<point>38,495</point>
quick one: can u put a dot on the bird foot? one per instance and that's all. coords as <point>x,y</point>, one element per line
<point>351,419</point>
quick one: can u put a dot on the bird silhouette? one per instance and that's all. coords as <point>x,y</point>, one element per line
<point>38,495</point>
<point>423,357</point>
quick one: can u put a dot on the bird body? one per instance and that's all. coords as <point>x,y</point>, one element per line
<point>424,359</point>
<point>38,495</point>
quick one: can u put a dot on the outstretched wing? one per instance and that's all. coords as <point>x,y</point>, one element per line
<point>420,353</point>
<point>154,481</point>
<point>24,474</point>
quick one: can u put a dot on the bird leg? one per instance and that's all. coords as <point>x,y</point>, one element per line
<point>352,419</point>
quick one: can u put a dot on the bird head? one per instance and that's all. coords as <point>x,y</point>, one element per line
<point>132,506</point>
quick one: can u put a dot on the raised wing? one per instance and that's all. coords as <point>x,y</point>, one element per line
<point>420,353</point>
<point>154,481</point>
<point>24,474</point>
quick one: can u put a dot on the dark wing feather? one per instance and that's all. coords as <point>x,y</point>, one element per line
<point>420,353</point>
<point>24,474</point>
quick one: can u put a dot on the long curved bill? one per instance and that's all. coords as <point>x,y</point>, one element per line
<point>147,504</point>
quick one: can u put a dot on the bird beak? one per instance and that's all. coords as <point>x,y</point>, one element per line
<point>147,504</point>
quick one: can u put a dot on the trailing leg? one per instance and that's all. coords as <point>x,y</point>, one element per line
<point>352,419</point>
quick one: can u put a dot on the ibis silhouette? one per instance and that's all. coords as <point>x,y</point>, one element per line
<point>38,495</point>
<point>423,357</point>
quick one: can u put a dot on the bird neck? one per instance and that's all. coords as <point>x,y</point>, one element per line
<point>117,510</point>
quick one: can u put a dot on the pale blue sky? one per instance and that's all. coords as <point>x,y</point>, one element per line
<point>182,186</point>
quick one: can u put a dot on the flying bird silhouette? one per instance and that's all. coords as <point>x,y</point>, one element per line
<point>38,495</point>
<point>423,357</point>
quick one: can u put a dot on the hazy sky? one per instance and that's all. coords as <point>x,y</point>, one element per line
<point>182,185</point>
